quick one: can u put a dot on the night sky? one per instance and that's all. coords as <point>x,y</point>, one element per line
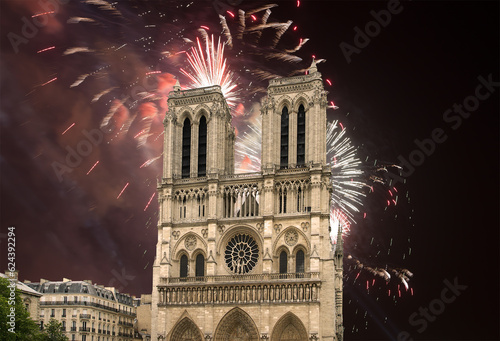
<point>404,84</point>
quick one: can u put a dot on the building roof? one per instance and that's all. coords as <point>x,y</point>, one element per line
<point>24,288</point>
<point>81,287</point>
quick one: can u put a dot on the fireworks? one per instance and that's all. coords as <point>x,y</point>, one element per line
<point>71,126</point>
<point>210,69</point>
<point>347,177</point>
<point>128,62</point>
<point>124,187</point>
<point>90,170</point>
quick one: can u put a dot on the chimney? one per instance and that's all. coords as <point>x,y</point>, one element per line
<point>12,274</point>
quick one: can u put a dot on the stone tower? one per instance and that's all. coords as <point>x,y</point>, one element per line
<point>247,256</point>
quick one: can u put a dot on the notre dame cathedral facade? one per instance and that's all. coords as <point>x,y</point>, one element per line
<point>247,256</point>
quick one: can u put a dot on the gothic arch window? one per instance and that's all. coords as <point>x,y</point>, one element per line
<point>299,261</point>
<point>183,266</point>
<point>301,136</point>
<point>186,148</point>
<point>284,138</point>
<point>300,199</point>
<point>282,200</point>
<point>200,265</point>
<point>202,147</point>
<point>283,262</point>
<point>186,330</point>
<point>183,208</point>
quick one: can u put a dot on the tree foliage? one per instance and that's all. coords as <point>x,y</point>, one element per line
<point>53,331</point>
<point>15,321</point>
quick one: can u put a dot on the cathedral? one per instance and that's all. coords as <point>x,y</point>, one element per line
<point>247,256</point>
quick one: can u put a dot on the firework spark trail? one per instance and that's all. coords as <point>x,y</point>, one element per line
<point>50,81</point>
<point>80,80</point>
<point>102,93</point>
<point>226,31</point>
<point>242,25</point>
<point>280,32</point>
<point>79,49</point>
<point>278,25</point>
<point>44,13</point>
<point>149,202</point>
<point>71,126</point>
<point>265,17</point>
<point>90,170</point>
<point>46,49</point>
<point>119,195</point>
<point>112,110</point>
<point>284,57</point>
<point>150,161</point>
<point>262,8</point>
<point>76,20</point>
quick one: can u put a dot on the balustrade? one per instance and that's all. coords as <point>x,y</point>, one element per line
<point>279,288</point>
<point>240,294</point>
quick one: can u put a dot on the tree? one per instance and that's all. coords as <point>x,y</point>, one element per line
<point>15,321</point>
<point>53,331</point>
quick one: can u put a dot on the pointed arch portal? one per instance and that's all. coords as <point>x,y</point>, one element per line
<point>236,325</point>
<point>186,330</point>
<point>289,328</point>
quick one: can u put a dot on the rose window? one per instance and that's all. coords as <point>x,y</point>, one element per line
<point>242,253</point>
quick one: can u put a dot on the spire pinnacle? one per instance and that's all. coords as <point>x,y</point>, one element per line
<point>177,85</point>
<point>340,244</point>
<point>313,68</point>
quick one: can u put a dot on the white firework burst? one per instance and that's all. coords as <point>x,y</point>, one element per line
<point>209,68</point>
<point>348,176</point>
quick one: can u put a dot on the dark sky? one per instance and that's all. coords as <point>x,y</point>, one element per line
<point>400,87</point>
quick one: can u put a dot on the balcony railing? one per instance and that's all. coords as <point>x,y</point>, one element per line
<point>125,334</point>
<point>241,278</point>
<point>85,316</point>
<point>85,329</point>
<point>88,304</point>
<point>123,323</point>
